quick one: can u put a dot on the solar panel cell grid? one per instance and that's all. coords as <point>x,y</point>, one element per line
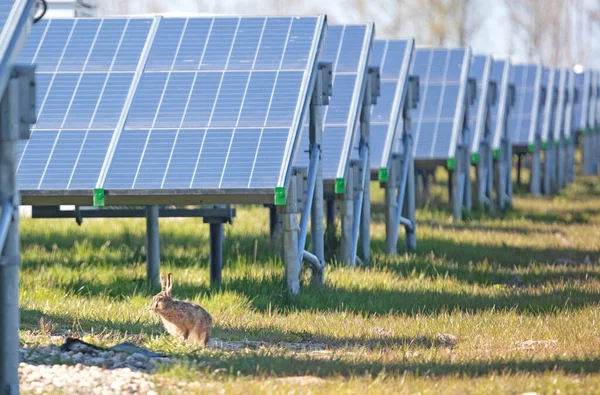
<point>480,71</point>
<point>500,74</point>
<point>524,118</point>
<point>85,72</point>
<point>582,84</point>
<point>235,95</point>
<point>438,118</point>
<point>393,58</point>
<point>347,48</point>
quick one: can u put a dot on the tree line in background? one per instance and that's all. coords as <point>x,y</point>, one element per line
<point>558,33</point>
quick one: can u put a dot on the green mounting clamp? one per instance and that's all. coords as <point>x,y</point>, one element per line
<point>475,158</point>
<point>544,144</point>
<point>451,164</point>
<point>279,196</point>
<point>340,185</point>
<point>530,148</point>
<point>383,175</point>
<point>496,154</point>
<point>99,197</point>
<point>557,144</point>
<point>567,140</point>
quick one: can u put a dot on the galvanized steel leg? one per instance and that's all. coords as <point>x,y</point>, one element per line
<point>330,214</point>
<point>454,179</point>
<point>535,183</point>
<point>548,170</point>
<point>152,246</point>
<point>508,173</point>
<point>391,203</point>
<point>291,258</point>
<point>410,209</point>
<point>10,116</point>
<point>467,174</point>
<point>216,253</point>
<point>347,244</point>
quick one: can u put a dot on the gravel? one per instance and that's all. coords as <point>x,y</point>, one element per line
<point>50,370</point>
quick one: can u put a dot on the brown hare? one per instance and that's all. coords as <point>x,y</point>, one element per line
<point>185,320</point>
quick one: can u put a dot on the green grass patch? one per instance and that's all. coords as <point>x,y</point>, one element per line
<point>519,290</point>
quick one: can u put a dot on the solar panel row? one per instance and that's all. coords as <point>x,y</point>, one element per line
<point>217,103</point>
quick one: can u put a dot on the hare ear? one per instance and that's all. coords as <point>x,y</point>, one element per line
<point>169,286</point>
<point>163,282</point>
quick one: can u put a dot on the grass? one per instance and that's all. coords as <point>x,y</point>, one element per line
<point>374,328</point>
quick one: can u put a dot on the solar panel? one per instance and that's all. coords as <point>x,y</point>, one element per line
<point>524,119</point>
<point>561,105</point>
<point>481,68</point>
<point>550,80</point>
<point>218,106</point>
<point>393,58</point>
<point>168,103</point>
<point>439,117</point>
<point>347,47</point>
<point>593,101</point>
<point>580,109</point>
<point>86,69</point>
<point>15,21</point>
<point>569,127</point>
<point>501,76</point>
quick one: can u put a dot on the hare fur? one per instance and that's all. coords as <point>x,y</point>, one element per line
<point>184,320</point>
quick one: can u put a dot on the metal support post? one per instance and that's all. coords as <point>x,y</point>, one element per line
<point>519,167</point>
<point>216,253</point>
<point>370,98</point>
<point>17,107</point>
<point>562,164</point>
<point>410,207</point>
<point>587,152</point>
<point>454,181</point>
<point>535,182</point>
<point>291,256</point>
<point>549,168</point>
<point>571,159</point>
<point>330,214</point>
<point>391,224</point>
<point>152,246</point>
<point>508,172</point>
<point>316,139</point>
<point>347,209</point>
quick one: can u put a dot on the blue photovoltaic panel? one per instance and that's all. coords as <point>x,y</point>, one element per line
<point>219,105</point>
<point>593,102</point>
<point>561,104</point>
<point>438,120</point>
<point>550,80</point>
<point>498,120</point>
<point>15,20</point>
<point>347,47</point>
<point>85,71</point>
<point>569,127</point>
<point>393,58</point>
<point>480,70</point>
<point>583,83</point>
<point>525,118</point>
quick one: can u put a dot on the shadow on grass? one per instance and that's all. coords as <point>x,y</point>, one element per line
<point>269,293</point>
<point>261,363</point>
<point>266,335</point>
